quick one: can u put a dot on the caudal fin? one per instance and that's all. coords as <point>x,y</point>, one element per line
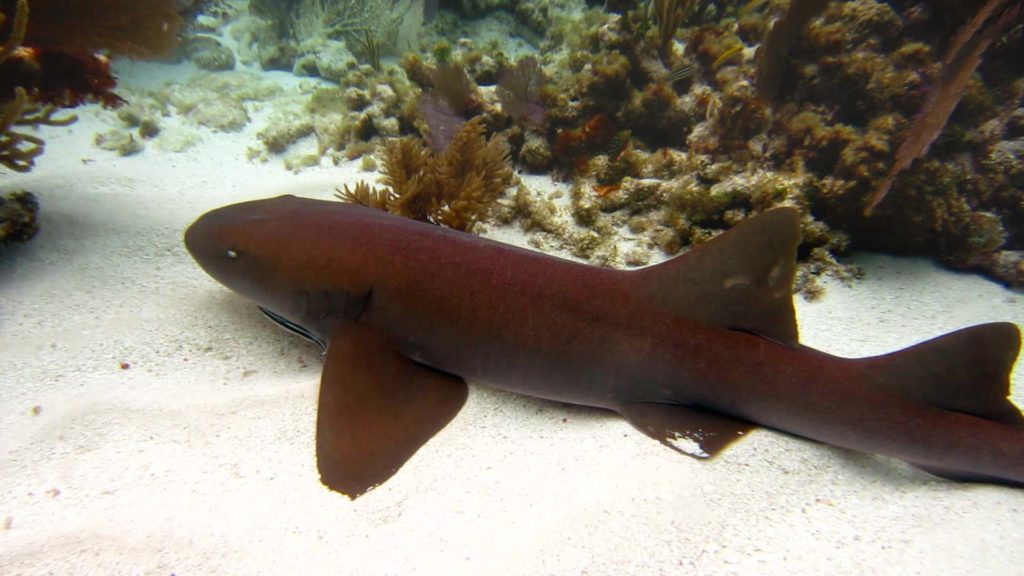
<point>964,371</point>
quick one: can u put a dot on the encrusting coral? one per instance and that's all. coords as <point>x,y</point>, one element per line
<point>455,188</point>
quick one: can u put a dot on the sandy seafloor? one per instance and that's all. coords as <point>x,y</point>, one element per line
<point>174,432</point>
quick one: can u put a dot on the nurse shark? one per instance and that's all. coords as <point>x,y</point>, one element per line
<point>692,352</point>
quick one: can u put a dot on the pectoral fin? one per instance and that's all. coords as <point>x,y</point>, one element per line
<point>686,429</point>
<point>377,408</point>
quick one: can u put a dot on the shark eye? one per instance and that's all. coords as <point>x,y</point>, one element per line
<point>232,254</point>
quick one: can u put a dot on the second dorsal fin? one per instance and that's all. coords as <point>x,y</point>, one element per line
<point>742,279</point>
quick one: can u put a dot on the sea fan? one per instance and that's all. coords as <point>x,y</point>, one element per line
<point>519,91</point>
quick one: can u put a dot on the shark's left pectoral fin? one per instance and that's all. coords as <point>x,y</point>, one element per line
<point>686,429</point>
<point>376,409</point>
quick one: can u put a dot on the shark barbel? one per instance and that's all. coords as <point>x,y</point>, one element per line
<point>693,352</point>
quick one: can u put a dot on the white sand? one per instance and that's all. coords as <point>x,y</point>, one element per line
<point>198,457</point>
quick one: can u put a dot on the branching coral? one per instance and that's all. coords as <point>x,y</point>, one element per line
<point>456,188</point>
<point>18,151</point>
<point>670,15</point>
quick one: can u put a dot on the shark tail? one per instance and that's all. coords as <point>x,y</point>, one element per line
<point>964,371</point>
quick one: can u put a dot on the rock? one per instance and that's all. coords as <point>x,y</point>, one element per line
<point>208,54</point>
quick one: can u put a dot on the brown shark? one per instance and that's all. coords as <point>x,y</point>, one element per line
<point>691,351</point>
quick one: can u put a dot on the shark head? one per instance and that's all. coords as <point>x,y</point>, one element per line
<point>272,252</point>
<point>236,246</point>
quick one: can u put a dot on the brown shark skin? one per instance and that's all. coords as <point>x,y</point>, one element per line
<point>551,328</point>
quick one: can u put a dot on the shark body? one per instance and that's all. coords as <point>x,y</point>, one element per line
<point>692,351</point>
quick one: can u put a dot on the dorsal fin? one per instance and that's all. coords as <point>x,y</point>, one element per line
<point>965,371</point>
<point>742,279</point>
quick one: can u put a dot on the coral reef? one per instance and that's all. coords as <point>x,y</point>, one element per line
<point>331,18</point>
<point>868,96</point>
<point>958,67</point>
<point>220,102</point>
<point>670,120</point>
<point>208,54</point>
<point>823,103</point>
<point>316,37</point>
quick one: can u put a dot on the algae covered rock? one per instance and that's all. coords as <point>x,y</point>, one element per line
<point>219,101</point>
<point>209,54</point>
<point>18,217</point>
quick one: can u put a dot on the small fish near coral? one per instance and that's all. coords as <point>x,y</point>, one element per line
<point>694,351</point>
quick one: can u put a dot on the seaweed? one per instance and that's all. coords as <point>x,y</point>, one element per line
<point>455,188</point>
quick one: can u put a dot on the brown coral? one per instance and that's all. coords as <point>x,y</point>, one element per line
<point>456,188</point>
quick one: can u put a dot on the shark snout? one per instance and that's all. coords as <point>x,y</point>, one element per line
<point>210,240</point>
<point>222,239</point>
<point>198,238</point>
